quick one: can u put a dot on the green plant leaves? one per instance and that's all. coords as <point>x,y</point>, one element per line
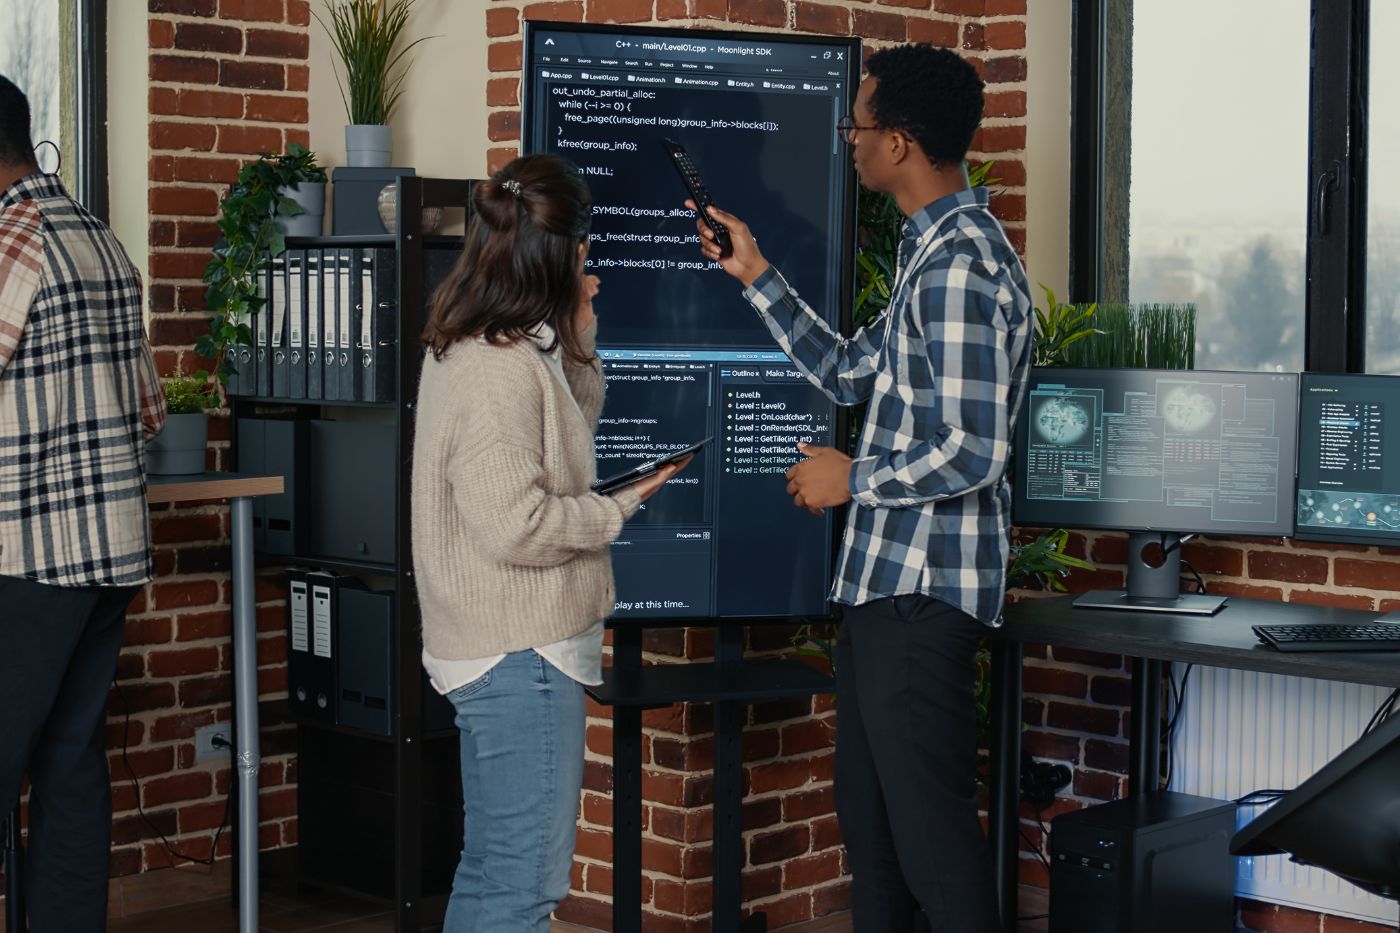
<point>364,33</point>
<point>250,237</point>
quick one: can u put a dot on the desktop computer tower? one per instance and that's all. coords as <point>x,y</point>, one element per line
<point>1159,863</point>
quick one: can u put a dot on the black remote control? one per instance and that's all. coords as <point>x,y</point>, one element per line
<point>691,176</point>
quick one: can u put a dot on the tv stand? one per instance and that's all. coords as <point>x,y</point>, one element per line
<point>1153,588</point>
<point>731,682</point>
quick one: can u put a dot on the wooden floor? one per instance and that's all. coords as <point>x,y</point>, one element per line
<point>285,910</point>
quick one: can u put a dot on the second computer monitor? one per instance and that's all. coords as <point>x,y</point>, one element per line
<point>1157,453</point>
<point>1349,459</point>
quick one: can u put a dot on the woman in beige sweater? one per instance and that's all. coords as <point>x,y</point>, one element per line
<point>510,545</point>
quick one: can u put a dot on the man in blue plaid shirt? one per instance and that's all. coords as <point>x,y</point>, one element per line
<point>923,565</point>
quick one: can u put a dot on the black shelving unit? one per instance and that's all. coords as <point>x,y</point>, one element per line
<point>385,767</point>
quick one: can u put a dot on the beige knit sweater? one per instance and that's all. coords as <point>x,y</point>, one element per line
<point>510,546</point>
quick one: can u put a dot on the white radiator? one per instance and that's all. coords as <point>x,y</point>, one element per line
<point>1242,731</point>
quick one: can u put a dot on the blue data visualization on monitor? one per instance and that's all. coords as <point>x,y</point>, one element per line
<point>684,355</point>
<point>1155,450</point>
<point>1349,459</point>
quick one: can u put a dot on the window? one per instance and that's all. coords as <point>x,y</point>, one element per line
<point>1220,154</point>
<point>1383,190</point>
<point>1217,210</point>
<point>54,50</point>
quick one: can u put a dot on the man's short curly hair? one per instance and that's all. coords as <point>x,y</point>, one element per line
<point>15,146</point>
<point>931,94</point>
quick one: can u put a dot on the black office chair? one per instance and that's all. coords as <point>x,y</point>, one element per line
<point>1344,819</point>
<point>14,874</point>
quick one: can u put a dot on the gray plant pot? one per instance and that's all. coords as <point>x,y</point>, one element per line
<point>179,448</point>
<point>367,145</point>
<point>311,195</point>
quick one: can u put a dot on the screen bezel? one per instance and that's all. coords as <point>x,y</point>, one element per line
<point>1308,533</point>
<point>848,238</point>
<point>1019,502</point>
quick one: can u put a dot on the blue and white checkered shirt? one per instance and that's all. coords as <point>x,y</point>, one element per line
<point>945,371</point>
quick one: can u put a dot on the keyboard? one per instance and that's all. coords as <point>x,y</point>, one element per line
<point>1359,636</point>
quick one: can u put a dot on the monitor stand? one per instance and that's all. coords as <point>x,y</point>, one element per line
<point>1152,588</point>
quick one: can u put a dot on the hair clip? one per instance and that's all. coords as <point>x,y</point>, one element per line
<point>513,186</point>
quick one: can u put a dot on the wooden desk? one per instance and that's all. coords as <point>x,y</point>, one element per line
<point>239,489</point>
<point>1151,638</point>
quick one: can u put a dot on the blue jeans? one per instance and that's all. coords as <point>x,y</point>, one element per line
<point>522,727</point>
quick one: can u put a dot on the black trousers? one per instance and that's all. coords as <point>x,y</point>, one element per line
<point>58,655</point>
<point>906,761</point>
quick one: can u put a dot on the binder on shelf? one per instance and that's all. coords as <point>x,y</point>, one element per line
<point>330,271</point>
<point>272,313</point>
<point>296,323</point>
<point>365,639</point>
<point>378,325</point>
<point>301,672</point>
<point>281,295</point>
<point>244,380</point>
<point>277,447</point>
<point>346,319</point>
<point>313,324</point>
<point>320,678</point>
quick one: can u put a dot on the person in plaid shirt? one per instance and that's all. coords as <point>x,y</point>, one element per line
<point>79,398</point>
<point>922,567</point>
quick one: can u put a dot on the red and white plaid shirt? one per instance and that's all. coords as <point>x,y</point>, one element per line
<point>79,395</point>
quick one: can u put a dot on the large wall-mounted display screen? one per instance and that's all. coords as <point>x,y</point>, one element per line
<point>685,356</point>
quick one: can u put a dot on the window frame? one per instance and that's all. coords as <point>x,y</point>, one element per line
<point>90,129</point>
<point>1335,290</point>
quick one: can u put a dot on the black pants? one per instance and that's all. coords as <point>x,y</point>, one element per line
<point>58,654</point>
<point>906,763</point>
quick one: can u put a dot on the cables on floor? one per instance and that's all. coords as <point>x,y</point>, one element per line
<point>136,786</point>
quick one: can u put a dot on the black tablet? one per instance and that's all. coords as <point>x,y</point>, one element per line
<point>613,483</point>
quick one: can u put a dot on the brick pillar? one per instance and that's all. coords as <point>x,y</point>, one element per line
<point>228,80</point>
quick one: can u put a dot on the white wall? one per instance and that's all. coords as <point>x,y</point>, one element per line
<point>1048,53</point>
<point>127,134</point>
<point>440,122</point>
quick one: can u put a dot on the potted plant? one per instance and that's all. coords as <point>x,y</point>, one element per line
<point>253,226</point>
<point>179,448</point>
<point>365,33</point>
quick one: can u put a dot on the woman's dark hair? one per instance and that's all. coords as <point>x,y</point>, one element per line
<point>520,267</point>
<point>931,94</point>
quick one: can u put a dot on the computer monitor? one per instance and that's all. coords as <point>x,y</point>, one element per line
<point>684,355</point>
<point>1158,454</point>
<point>1345,818</point>
<point>1349,459</point>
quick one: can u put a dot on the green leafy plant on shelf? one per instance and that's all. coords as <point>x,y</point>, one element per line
<point>364,33</point>
<point>188,395</point>
<point>249,237</point>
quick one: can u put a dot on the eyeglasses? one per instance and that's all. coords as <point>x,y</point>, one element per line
<point>846,128</point>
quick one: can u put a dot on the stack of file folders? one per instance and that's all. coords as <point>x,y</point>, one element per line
<point>327,330</point>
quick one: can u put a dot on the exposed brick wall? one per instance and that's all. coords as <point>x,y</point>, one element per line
<point>991,33</point>
<point>1076,702</point>
<point>795,868</point>
<point>228,79</point>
